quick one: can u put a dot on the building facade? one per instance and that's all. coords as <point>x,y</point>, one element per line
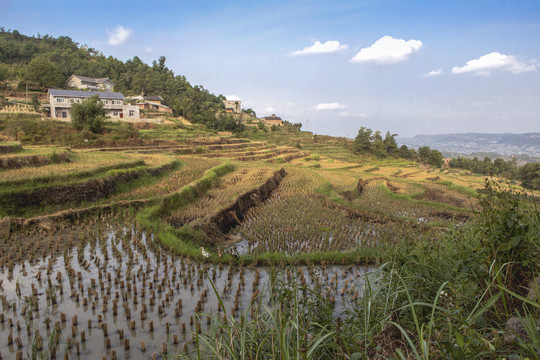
<point>61,101</point>
<point>88,83</point>
<point>273,120</point>
<point>234,106</point>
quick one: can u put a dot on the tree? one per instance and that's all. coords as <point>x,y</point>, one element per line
<point>529,174</point>
<point>3,76</point>
<point>362,141</point>
<point>435,159</point>
<point>424,152</point>
<point>390,143</point>
<point>431,157</point>
<point>88,115</point>
<point>44,73</point>
<point>250,112</point>
<point>35,103</point>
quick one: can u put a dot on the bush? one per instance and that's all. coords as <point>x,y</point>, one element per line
<point>88,115</point>
<point>509,226</point>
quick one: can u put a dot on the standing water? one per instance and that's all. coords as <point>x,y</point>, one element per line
<point>110,291</point>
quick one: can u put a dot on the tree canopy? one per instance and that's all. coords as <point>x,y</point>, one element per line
<point>88,115</point>
<point>50,61</point>
<point>44,73</point>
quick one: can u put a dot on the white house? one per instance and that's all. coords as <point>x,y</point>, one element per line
<point>89,83</point>
<point>232,104</point>
<point>61,101</point>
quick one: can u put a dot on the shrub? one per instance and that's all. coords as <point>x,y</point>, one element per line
<point>88,115</point>
<point>509,226</point>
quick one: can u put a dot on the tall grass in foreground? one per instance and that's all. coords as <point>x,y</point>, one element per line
<point>453,299</point>
<point>284,321</point>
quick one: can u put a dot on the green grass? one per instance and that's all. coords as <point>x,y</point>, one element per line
<point>410,198</point>
<point>444,299</point>
<point>71,179</point>
<point>144,177</point>
<point>62,179</point>
<point>461,189</point>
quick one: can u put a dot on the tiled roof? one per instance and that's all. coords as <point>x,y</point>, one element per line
<point>154,104</point>
<point>273,117</point>
<point>153,97</point>
<point>92,80</point>
<point>86,94</point>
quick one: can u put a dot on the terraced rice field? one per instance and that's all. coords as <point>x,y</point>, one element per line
<point>106,289</point>
<point>232,185</point>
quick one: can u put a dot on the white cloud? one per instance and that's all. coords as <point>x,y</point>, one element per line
<point>350,114</point>
<point>492,61</point>
<point>119,35</point>
<point>330,46</point>
<point>148,49</point>
<point>329,106</point>
<point>435,72</point>
<point>387,51</point>
<point>232,98</point>
<point>270,109</point>
<point>482,103</point>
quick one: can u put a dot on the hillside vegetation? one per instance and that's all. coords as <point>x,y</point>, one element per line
<point>46,61</point>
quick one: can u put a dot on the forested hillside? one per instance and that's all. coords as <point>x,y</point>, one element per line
<point>45,61</point>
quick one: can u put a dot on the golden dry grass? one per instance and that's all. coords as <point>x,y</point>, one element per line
<point>83,161</point>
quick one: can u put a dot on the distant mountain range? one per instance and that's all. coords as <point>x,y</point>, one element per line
<point>476,143</point>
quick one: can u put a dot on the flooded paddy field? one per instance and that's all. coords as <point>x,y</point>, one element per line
<point>108,290</point>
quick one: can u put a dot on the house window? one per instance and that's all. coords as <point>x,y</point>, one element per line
<point>60,100</point>
<point>115,113</point>
<point>116,102</point>
<point>105,102</point>
<point>64,114</point>
<point>131,113</point>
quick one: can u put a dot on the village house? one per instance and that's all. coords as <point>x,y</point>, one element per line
<point>147,105</point>
<point>232,105</point>
<point>88,83</point>
<point>151,103</point>
<point>273,120</point>
<point>61,101</point>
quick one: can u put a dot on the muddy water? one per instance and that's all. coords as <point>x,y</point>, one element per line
<point>113,287</point>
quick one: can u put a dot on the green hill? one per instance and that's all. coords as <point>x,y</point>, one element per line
<point>21,56</point>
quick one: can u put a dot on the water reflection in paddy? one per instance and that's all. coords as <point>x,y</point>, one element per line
<point>96,291</point>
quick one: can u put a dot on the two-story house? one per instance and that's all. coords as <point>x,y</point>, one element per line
<point>152,103</point>
<point>88,83</point>
<point>232,104</point>
<point>61,101</point>
<point>273,120</point>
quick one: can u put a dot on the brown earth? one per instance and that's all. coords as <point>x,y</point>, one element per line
<point>222,222</point>
<point>90,190</point>
<point>17,162</point>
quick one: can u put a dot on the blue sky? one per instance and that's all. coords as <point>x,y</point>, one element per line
<point>409,67</point>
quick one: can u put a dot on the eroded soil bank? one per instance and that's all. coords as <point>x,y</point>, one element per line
<point>222,222</point>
